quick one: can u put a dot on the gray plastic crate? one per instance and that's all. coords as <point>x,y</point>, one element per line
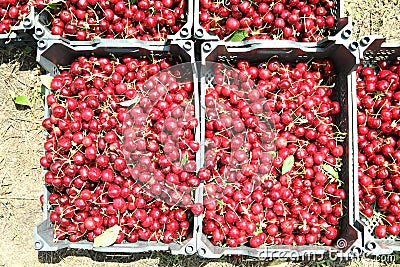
<point>345,57</point>
<point>373,48</point>
<point>342,28</point>
<point>56,53</point>
<point>51,53</point>
<point>43,240</point>
<point>43,32</point>
<point>26,24</point>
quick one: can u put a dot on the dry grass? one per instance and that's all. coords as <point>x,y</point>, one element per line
<point>375,17</point>
<point>21,140</point>
<point>20,149</point>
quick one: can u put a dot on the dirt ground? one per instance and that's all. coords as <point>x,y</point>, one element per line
<point>374,17</point>
<point>21,139</point>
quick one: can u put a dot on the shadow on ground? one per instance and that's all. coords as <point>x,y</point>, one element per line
<point>165,259</point>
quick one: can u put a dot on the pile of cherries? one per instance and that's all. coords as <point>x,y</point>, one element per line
<point>92,185</point>
<point>272,152</point>
<point>12,12</point>
<point>378,117</point>
<point>160,137</point>
<point>117,19</point>
<point>304,21</point>
<point>273,155</point>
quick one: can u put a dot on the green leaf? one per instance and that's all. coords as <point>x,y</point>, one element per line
<point>184,159</point>
<point>22,100</point>
<point>238,35</point>
<point>108,237</point>
<point>27,50</point>
<point>53,4</point>
<point>258,229</point>
<point>46,80</point>
<point>288,164</point>
<point>152,10</point>
<point>56,1</point>
<point>130,102</point>
<point>220,202</point>
<point>43,89</point>
<point>330,170</point>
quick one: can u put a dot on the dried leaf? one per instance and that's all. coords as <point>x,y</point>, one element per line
<point>12,94</point>
<point>130,102</point>
<point>46,80</point>
<point>108,237</point>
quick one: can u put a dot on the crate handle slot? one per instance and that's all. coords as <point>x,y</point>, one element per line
<point>121,50</point>
<point>275,52</point>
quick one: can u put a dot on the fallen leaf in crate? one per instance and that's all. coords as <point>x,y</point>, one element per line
<point>330,170</point>
<point>288,164</point>
<point>108,237</point>
<point>130,102</point>
<point>238,35</point>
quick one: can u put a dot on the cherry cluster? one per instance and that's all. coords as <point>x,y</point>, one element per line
<point>273,155</point>
<point>296,20</point>
<point>12,12</point>
<point>160,137</point>
<point>92,185</point>
<point>378,116</point>
<point>88,19</point>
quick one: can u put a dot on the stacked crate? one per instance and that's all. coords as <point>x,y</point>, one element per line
<point>374,49</point>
